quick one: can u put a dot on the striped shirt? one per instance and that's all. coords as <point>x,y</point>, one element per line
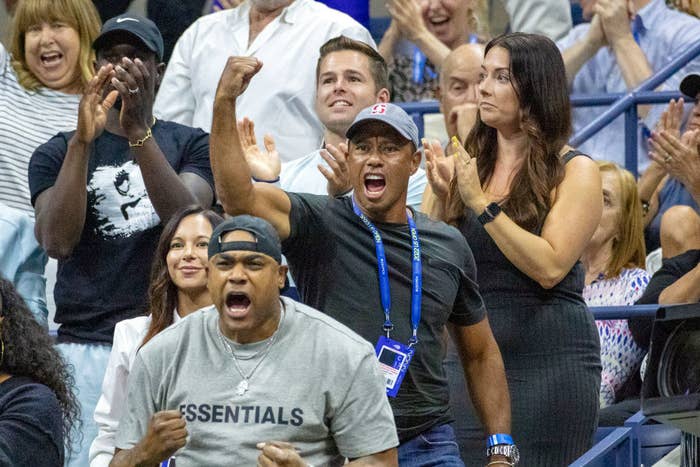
<point>27,120</point>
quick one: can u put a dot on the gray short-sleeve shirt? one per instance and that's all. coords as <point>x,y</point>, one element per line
<point>319,388</point>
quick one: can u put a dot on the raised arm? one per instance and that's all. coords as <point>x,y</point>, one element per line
<point>234,187</point>
<point>390,39</point>
<point>60,210</point>
<point>615,18</point>
<point>583,50</point>
<point>575,213</point>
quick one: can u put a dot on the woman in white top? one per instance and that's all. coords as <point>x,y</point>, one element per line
<point>178,288</point>
<point>50,60</point>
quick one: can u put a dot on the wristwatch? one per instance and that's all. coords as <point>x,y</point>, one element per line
<point>508,450</point>
<point>490,213</point>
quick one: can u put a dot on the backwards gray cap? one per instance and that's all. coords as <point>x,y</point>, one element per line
<point>392,115</point>
<point>142,28</point>
<point>266,239</point>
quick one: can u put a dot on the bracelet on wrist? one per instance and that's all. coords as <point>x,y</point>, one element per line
<point>149,134</point>
<point>140,142</point>
<point>501,463</point>
<point>257,180</point>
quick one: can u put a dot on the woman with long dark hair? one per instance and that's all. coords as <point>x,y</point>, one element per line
<point>528,205</point>
<point>177,289</point>
<point>38,411</point>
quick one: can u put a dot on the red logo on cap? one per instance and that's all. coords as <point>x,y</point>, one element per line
<point>378,109</point>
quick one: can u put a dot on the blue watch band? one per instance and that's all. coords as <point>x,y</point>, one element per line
<point>499,438</point>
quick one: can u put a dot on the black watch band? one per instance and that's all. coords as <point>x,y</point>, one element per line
<point>490,213</point>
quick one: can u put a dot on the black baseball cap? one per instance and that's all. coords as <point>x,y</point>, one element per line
<point>266,239</point>
<point>690,86</point>
<point>141,28</point>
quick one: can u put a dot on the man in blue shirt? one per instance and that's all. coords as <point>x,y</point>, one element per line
<point>618,50</point>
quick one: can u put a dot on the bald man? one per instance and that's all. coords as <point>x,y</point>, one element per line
<point>458,91</point>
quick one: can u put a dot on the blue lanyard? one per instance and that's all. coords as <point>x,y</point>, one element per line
<point>383,272</point>
<point>420,67</point>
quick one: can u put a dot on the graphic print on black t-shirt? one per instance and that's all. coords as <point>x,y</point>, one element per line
<point>118,201</point>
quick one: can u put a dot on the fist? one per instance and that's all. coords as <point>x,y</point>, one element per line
<point>236,76</point>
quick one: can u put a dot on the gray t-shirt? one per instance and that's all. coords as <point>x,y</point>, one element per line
<point>319,387</point>
<point>332,259</point>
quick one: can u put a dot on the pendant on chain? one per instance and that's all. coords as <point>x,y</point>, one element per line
<point>242,387</point>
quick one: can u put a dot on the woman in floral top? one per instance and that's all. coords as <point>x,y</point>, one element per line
<point>615,275</point>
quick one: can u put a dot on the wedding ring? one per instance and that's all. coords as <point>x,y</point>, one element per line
<point>668,159</point>
<point>133,91</point>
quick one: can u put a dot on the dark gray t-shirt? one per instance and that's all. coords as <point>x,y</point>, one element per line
<point>319,387</point>
<point>332,259</point>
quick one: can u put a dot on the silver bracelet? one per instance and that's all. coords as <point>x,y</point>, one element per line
<point>500,462</point>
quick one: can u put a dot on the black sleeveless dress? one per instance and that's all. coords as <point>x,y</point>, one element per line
<point>550,348</point>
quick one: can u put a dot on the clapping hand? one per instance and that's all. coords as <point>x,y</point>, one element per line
<point>680,158</point>
<point>279,454</point>
<point>615,16</point>
<point>94,106</point>
<point>263,165</point>
<point>439,169</point>
<point>407,15</point>
<point>136,86</point>
<point>670,120</point>
<point>337,174</point>
<point>468,181</point>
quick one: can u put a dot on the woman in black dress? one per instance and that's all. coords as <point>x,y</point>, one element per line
<point>528,205</point>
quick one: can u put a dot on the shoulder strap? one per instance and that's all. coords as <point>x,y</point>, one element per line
<point>571,154</point>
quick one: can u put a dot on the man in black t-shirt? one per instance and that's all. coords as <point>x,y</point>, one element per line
<point>332,254</point>
<point>101,194</point>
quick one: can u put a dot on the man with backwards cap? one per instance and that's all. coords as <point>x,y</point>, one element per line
<point>672,181</point>
<point>256,377</point>
<point>101,194</point>
<point>391,274</point>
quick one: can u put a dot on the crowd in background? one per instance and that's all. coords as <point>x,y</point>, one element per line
<point>125,143</point>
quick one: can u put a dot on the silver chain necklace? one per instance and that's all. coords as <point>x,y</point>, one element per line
<point>243,386</point>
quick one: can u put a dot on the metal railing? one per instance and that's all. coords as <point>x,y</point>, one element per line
<point>627,104</point>
<point>620,103</point>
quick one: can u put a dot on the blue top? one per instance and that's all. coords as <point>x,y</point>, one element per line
<point>22,260</point>
<point>673,193</point>
<point>662,34</point>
